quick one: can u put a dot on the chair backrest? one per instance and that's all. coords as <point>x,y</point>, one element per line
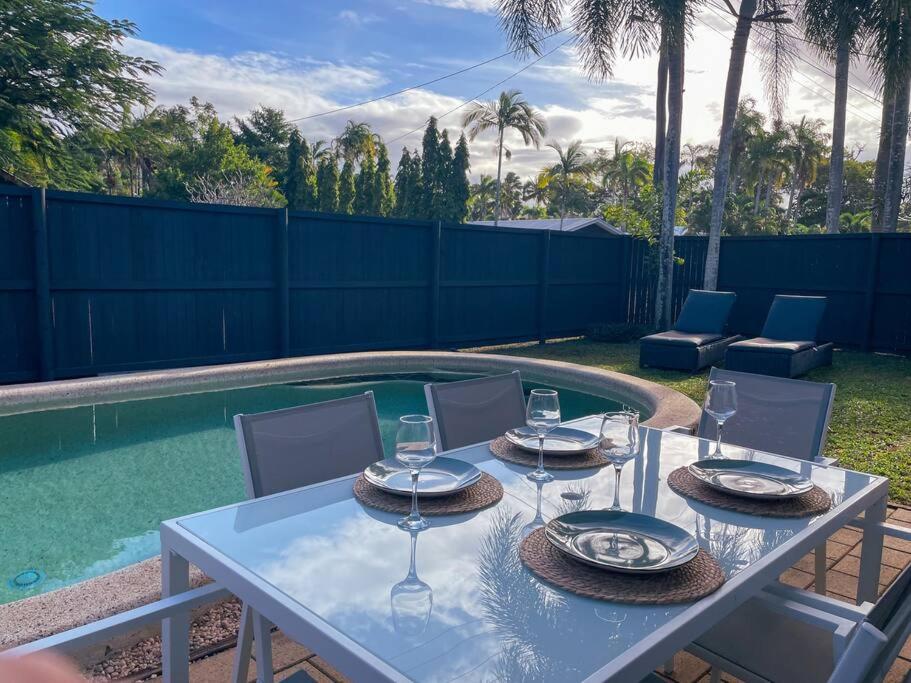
<point>705,311</point>
<point>891,615</point>
<point>794,318</point>
<point>285,449</point>
<point>774,414</point>
<point>475,410</point>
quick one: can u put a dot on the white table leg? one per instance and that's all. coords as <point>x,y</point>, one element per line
<point>871,552</point>
<point>175,631</point>
<point>262,641</point>
<point>241,668</point>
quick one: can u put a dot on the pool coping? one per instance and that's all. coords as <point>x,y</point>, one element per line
<point>45,614</point>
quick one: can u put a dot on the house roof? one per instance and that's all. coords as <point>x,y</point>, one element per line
<point>569,224</point>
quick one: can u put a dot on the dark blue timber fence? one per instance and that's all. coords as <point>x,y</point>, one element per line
<point>92,284</point>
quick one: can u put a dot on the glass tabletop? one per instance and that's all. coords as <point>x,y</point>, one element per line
<point>454,602</point>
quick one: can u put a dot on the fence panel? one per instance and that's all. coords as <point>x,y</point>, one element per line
<point>585,283</point>
<point>358,283</point>
<point>136,284</point>
<point>489,280</point>
<point>891,307</point>
<point>18,325</point>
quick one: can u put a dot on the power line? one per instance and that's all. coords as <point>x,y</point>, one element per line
<point>760,27</point>
<point>857,112</point>
<point>422,85</point>
<point>487,90</point>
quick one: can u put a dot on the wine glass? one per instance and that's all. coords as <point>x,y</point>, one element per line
<point>542,414</point>
<point>411,599</point>
<point>721,403</point>
<point>415,449</point>
<point>619,443</point>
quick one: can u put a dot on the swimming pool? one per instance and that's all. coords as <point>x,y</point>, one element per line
<point>85,488</point>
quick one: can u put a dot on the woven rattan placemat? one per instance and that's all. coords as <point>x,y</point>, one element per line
<point>692,581</point>
<point>485,492</point>
<point>505,450</point>
<point>814,502</point>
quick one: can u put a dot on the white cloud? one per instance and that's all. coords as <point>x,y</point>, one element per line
<point>574,107</point>
<point>357,18</point>
<point>484,6</point>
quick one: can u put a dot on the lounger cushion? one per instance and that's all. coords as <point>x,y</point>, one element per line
<point>677,338</point>
<point>794,318</point>
<point>772,345</point>
<point>705,312</point>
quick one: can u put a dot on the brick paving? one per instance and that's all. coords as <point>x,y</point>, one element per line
<point>842,561</point>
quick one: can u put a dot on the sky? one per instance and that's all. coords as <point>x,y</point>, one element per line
<point>307,57</point>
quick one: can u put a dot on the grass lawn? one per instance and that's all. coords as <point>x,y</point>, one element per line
<point>871,422</point>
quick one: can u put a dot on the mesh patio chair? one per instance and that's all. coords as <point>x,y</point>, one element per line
<point>286,449</point>
<point>475,410</point>
<point>777,415</point>
<point>697,339</point>
<point>788,345</point>
<point>813,638</point>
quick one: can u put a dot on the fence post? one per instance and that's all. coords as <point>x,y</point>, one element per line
<point>543,281</point>
<point>42,286</point>
<point>870,294</point>
<point>625,283</point>
<point>436,257</point>
<point>282,284</point>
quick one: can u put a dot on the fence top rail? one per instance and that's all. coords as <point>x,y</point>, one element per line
<point>771,238</point>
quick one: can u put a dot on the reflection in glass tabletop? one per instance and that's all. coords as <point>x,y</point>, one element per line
<point>473,611</point>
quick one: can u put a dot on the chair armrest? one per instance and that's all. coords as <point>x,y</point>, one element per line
<point>842,610</point>
<point>897,531</point>
<point>677,429</point>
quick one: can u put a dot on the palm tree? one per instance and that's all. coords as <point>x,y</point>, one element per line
<point>776,68</point>
<point>627,170</point>
<point>889,26</point>
<point>572,164</point>
<point>601,28</point>
<point>537,189</point>
<point>509,111</point>
<point>482,194</point>
<point>511,195</point>
<point>835,28</point>
<point>356,141</point>
<point>807,145</point>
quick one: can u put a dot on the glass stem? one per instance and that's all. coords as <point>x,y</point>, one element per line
<point>414,495</point>
<point>718,441</point>
<point>617,470</point>
<point>412,566</point>
<point>540,452</point>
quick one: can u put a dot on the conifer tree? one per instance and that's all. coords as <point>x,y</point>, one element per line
<point>346,190</point>
<point>365,201</point>
<point>430,163</point>
<point>327,184</point>
<point>300,181</point>
<point>459,187</point>
<point>443,208</point>
<point>383,183</point>
<point>402,184</point>
<point>308,192</point>
<point>415,203</point>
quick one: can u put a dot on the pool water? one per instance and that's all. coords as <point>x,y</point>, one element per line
<point>85,489</point>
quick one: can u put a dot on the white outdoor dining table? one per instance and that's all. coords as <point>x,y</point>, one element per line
<point>321,567</point>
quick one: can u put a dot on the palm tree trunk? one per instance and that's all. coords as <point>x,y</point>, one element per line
<point>675,58</point>
<point>496,215</point>
<point>723,163</point>
<point>767,202</point>
<point>837,160</point>
<point>881,175</point>
<point>792,193</point>
<point>660,112</point>
<point>563,203</point>
<point>757,194</point>
<point>893,195</point>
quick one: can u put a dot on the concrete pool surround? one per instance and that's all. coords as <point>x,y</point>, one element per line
<point>41,615</point>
